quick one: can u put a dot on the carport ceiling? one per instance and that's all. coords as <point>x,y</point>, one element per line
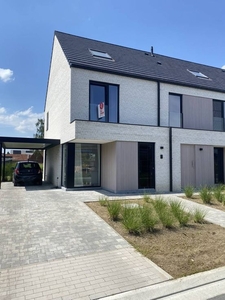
<point>27,143</point>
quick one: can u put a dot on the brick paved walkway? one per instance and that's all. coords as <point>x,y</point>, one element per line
<point>52,246</point>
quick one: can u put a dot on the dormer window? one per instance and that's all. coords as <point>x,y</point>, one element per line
<point>198,74</point>
<point>100,54</point>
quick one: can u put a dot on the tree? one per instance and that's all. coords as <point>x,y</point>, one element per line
<point>40,129</point>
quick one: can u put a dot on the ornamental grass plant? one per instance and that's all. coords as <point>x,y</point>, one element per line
<point>114,209</point>
<point>189,191</point>
<point>164,212</point>
<point>179,213</point>
<point>206,194</point>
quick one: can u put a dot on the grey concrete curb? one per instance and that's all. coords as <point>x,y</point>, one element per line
<point>168,289</point>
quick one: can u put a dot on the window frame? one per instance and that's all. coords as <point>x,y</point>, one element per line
<point>106,86</point>
<point>222,113</point>
<point>181,109</point>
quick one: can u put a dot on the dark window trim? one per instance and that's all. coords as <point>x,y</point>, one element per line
<point>222,112</point>
<point>181,108</point>
<point>222,102</point>
<point>106,85</point>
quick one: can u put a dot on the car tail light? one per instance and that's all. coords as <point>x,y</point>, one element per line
<point>17,171</point>
<point>39,171</point>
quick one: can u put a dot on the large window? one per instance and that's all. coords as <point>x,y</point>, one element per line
<point>175,110</point>
<point>87,165</point>
<point>218,115</point>
<point>104,101</point>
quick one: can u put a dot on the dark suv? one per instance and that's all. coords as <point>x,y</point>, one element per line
<point>27,172</point>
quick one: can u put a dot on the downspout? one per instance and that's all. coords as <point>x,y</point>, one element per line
<point>171,159</point>
<point>158,103</point>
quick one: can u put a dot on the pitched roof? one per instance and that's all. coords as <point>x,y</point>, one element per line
<point>138,63</point>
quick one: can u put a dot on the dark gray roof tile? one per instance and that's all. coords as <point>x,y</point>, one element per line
<point>132,62</point>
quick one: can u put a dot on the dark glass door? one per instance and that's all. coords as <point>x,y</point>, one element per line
<point>146,165</point>
<point>218,165</point>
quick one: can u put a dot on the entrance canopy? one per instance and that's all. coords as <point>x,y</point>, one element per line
<point>22,143</point>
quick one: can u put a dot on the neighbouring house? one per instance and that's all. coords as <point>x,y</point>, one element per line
<point>130,119</point>
<point>24,155</point>
<point>16,157</point>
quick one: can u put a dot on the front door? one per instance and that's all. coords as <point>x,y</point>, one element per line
<point>218,165</point>
<point>146,165</point>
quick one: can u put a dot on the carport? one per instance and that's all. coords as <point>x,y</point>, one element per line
<point>23,143</point>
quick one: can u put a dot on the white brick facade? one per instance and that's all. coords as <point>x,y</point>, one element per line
<point>137,98</point>
<point>67,104</point>
<point>58,97</point>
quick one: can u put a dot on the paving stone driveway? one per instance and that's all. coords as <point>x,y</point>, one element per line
<point>50,229</point>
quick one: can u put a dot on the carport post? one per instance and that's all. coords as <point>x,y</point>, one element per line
<point>1,165</point>
<point>3,169</point>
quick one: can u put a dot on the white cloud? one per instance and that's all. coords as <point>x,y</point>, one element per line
<point>6,75</point>
<point>21,121</point>
<point>2,110</point>
<point>223,67</point>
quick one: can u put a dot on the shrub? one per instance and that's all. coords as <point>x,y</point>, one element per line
<point>9,165</point>
<point>205,194</point>
<point>132,220</point>
<point>218,193</point>
<point>164,212</point>
<point>103,201</point>
<point>189,191</point>
<point>114,208</point>
<point>199,216</point>
<point>148,218</point>
<point>179,213</point>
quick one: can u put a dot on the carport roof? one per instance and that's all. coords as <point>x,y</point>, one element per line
<point>27,143</point>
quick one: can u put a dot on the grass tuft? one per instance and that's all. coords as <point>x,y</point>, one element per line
<point>199,216</point>
<point>146,198</point>
<point>164,212</point>
<point>218,193</point>
<point>148,217</point>
<point>132,220</point>
<point>179,213</point>
<point>189,191</point>
<point>114,209</point>
<point>206,194</point>
<point>103,201</point>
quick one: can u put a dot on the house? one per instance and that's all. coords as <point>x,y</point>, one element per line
<point>16,157</point>
<point>129,119</point>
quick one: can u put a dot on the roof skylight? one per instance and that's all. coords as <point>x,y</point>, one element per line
<point>198,74</point>
<point>100,54</point>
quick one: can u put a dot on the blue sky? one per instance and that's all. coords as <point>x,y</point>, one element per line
<point>186,29</point>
